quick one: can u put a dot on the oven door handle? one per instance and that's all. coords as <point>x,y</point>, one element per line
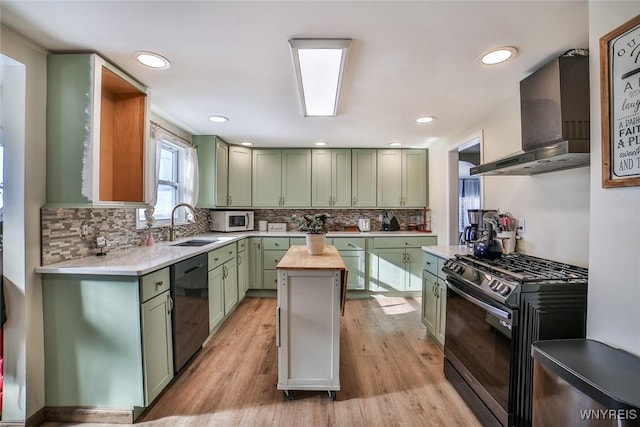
<point>505,315</point>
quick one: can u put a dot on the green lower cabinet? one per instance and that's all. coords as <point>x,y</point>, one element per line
<point>216,297</point>
<point>243,274</point>
<point>107,340</point>
<point>230,285</point>
<point>387,270</point>
<point>434,297</point>
<point>355,261</point>
<point>395,263</point>
<point>157,345</point>
<point>255,262</point>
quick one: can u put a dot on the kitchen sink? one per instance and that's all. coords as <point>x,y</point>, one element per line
<point>195,242</point>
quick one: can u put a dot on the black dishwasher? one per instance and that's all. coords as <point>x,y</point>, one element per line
<point>190,315</point>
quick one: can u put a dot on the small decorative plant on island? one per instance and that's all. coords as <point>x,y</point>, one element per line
<point>316,228</point>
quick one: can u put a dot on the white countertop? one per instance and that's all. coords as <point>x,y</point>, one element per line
<point>142,260</point>
<point>446,251</point>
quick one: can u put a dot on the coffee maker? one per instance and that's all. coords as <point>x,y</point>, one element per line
<point>473,231</point>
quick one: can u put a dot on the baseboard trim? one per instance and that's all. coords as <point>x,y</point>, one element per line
<point>33,421</point>
<point>75,414</point>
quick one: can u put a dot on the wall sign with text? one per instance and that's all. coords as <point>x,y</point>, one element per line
<point>620,99</point>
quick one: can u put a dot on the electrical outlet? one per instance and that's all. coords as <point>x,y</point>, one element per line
<point>84,229</point>
<point>521,225</point>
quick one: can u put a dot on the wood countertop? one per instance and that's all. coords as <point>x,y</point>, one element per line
<point>298,258</point>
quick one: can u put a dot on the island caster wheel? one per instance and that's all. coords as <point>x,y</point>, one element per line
<point>332,395</point>
<point>288,394</point>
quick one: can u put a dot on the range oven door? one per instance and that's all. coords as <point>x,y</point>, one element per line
<point>479,342</point>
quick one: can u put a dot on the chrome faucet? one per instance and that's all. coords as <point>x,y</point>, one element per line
<point>173,211</point>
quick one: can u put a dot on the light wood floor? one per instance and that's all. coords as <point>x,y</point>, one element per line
<point>390,375</point>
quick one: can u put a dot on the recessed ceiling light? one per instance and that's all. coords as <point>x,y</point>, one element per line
<point>395,144</point>
<point>219,119</point>
<point>153,60</point>
<point>321,143</point>
<point>425,119</point>
<point>496,56</point>
<point>247,143</point>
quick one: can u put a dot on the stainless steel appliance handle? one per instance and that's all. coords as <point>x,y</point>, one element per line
<point>506,316</point>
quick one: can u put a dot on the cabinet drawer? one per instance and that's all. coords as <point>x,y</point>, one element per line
<point>270,279</point>
<point>221,255</point>
<point>242,244</point>
<point>275,243</point>
<point>404,242</point>
<point>154,284</point>
<point>300,241</point>
<point>431,263</point>
<point>271,259</point>
<point>349,243</point>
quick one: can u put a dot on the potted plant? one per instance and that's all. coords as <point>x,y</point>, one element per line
<point>316,228</point>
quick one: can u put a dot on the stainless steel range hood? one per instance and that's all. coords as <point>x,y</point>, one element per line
<point>554,157</point>
<point>554,104</point>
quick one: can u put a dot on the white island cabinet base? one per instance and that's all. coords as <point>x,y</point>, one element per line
<point>308,329</point>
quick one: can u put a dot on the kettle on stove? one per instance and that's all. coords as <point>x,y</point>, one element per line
<point>488,247</point>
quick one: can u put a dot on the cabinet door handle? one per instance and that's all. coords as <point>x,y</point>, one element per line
<point>170,303</point>
<point>278,327</point>
<point>224,272</point>
<point>258,245</point>
<point>230,200</point>
<point>239,259</point>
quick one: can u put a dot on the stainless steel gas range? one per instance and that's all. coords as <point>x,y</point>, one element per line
<point>495,310</point>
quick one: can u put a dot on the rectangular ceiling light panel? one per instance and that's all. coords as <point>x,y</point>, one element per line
<point>319,66</point>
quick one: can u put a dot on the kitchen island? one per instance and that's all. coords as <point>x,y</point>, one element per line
<point>311,291</point>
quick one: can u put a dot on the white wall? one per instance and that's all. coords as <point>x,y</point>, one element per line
<point>614,286</point>
<point>555,205</point>
<point>25,194</point>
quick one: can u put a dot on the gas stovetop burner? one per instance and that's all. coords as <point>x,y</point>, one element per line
<point>527,269</point>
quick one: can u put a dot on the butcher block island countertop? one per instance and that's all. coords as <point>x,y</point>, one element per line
<point>297,257</point>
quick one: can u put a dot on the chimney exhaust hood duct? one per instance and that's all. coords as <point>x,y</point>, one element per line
<point>554,105</point>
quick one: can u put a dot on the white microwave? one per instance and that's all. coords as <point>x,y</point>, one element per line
<point>231,221</point>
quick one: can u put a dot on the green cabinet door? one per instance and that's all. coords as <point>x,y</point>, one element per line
<point>216,297</point>
<point>296,178</point>
<point>222,173</point>
<point>355,261</point>
<point>239,176</point>
<point>243,274</point>
<point>414,178</point>
<point>363,178</point>
<point>389,178</point>
<point>429,302</point>
<point>255,263</point>
<point>321,180</point>
<point>331,178</point>
<point>157,348</point>
<point>413,269</point>
<point>207,165</point>
<point>388,270</point>
<point>267,178</point>
<point>230,279</point>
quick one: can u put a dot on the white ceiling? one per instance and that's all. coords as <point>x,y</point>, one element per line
<point>232,58</point>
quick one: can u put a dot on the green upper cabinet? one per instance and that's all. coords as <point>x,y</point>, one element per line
<point>331,178</point>
<point>282,178</point>
<point>267,177</point>
<point>239,184</point>
<point>363,178</point>
<point>402,178</point>
<point>224,173</point>
<point>97,125</point>
<point>212,164</point>
<point>415,179</point>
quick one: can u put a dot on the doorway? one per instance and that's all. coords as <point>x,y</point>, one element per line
<point>465,190</point>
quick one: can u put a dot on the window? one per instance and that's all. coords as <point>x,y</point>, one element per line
<point>175,184</point>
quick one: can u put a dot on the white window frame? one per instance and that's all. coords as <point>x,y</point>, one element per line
<point>181,215</point>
